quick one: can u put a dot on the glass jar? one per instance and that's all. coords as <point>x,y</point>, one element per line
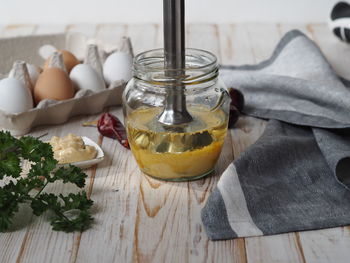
<point>179,152</point>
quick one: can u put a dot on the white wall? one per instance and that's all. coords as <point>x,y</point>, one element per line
<point>150,11</point>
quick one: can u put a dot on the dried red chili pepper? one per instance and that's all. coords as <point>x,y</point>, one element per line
<point>237,99</point>
<point>236,106</point>
<point>234,116</point>
<point>110,126</point>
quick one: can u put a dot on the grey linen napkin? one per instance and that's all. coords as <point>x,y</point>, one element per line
<point>296,176</point>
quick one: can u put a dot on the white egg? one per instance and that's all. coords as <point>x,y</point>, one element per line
<point>117,66</point>
<point>15,97</point>
<point>86,78</point>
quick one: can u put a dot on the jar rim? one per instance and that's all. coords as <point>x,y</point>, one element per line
<point>140,60</point>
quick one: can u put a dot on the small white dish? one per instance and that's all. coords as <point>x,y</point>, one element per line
<point>88,163</point>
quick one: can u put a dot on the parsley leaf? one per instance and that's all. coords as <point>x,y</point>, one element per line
<point>70,213</point>
<point>71,174</point>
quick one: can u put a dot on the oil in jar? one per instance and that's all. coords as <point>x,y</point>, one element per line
<point>177,153</point>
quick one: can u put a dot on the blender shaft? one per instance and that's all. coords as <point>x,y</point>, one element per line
<point>175,111</point>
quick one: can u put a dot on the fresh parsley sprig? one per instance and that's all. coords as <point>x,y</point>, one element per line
<point>70,212</point>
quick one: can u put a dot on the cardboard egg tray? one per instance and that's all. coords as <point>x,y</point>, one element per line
<point>28,48</point>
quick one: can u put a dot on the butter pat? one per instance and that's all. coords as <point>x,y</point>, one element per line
<point>71,148</point>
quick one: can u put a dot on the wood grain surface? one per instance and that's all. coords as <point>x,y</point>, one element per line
<point>139,219</point>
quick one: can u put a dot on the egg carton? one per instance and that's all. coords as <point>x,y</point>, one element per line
<point>32,49</point>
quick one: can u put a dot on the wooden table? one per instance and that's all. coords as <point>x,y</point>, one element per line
<point>144,220</point>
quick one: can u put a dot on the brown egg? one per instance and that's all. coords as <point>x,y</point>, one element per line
<point>70,61</point>
<point>54,84</point>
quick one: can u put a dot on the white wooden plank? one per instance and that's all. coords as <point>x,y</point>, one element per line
<point>110,33</point>
<point>235,45</point>
<point>12,241</point>
<point>88,30</point>
<point>263,38</point>
<point>226,251</point>
<point>283,28</point>
<point>163,223</point>
<point>203,36</point>
<point>140,37</point>
<point>280,248</point>
<point>327,245</point>
<point>43,29</point>
<point>18,30</point>
<point>160,36</point>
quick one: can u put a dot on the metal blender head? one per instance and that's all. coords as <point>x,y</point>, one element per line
<point>175,110</point>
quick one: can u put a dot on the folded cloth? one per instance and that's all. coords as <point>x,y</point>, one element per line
<point>297,175</point>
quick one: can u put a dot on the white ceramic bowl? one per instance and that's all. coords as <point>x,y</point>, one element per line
<point>88,163</point>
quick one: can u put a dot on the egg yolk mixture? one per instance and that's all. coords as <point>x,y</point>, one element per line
<point>71,148</point>
<point>190,153</point>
